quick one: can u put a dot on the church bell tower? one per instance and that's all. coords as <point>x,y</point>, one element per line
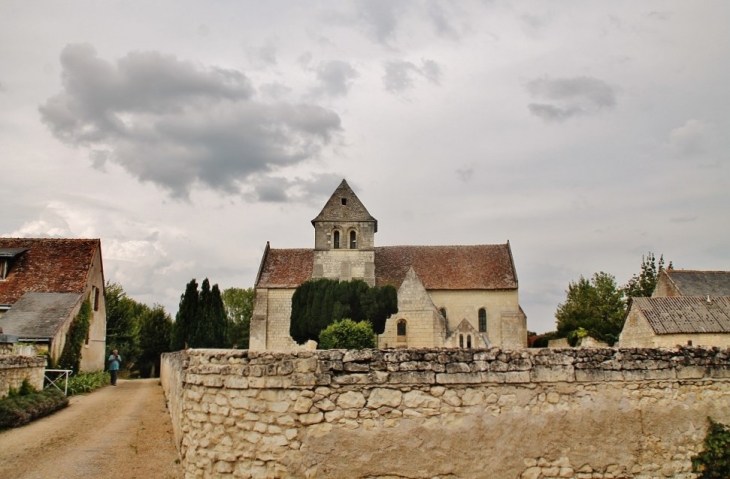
<point>344,238</point>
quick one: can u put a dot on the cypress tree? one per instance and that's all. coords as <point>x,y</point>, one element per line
<point>182,330</point>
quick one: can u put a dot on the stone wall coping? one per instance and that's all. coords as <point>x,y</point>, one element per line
<point>244,369</point>
<point>8,361</point>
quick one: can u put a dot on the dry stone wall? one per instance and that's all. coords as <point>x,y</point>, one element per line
<point>445,413</point>
<point>14,369</point>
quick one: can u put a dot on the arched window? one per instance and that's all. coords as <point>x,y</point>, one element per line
<point>400,328</point>
<point>468,341</point>
<point>461,340</point>
<point>353,240</point>
<point>482,320</point>
<point>443,312</point>
<point>336,240</point>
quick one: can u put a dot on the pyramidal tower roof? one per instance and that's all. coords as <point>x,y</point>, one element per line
<point>344,205</point>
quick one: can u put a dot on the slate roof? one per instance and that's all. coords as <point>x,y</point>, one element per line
<point>699,283</point>
<point>353,210</point>
<point>39,315</point>
<point>49,265</point>
<point>685,314</point>
<point>474,267</point>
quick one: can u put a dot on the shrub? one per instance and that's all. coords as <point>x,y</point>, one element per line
<point>714,461</point>
<point>347,334</point>
<point>18,410</point>
<point>87,382</point>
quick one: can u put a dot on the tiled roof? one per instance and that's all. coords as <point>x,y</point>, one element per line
<point>39,315</point>
<point>685,314</point>
<point>285,268</point>
<point>48,266</point>
<point>344,205</point>
<point>448,267</point>
<point>701,283</point>
<point>487,267</point>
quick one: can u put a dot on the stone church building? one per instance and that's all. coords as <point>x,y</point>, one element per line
<point>448,296</point>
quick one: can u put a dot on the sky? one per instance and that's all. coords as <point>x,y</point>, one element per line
<point>187,134</point>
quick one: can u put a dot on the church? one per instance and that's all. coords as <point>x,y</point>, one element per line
<point>448,296</point>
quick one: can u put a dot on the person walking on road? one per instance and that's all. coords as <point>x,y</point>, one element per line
<point>115,360</point>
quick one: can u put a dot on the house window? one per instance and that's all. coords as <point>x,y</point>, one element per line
<point>3,269</point>
<point>443,312</point>
<point>482,320</point>
<point>468,341</point>
<point>401,329</point>
<point>95,297</point>
<point>353,240</point>
<point>461,340</point>
<point>336,241</point>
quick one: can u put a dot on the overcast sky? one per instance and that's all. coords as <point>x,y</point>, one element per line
<point>187,134</point>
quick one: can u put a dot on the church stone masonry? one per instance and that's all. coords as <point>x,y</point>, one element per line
<point>448,296</point>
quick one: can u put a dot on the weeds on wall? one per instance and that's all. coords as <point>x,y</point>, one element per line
<point>75,339</point>
<point>714,461</point>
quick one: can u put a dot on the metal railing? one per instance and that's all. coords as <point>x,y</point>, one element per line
<point>60,374</point>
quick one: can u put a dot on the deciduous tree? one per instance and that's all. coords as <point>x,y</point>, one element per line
<point>238,304</point>
<point>154,339</point>
<point>643,284</point>
<point>596,306</point>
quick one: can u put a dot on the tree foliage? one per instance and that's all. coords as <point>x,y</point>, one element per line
<point>643,284</point>
<point>154,339</point>
<point>122,323</point>
<point>347,334</point>
<point>318,303</point>
<point>238,304</point>
<point>201,318</point>
<point>595,308</point>
<point>714,461</point>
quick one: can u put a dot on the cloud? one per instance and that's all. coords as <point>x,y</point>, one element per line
<point>693,139</point>
<point>401,75</point>
<point>569,97</point>
<point>335,77</point>
<point>263,56</point>
<point>180,125</point>
<point>379,18</point>
<point>441,20</point>
<point>281,190</point>
<point>465,174</point>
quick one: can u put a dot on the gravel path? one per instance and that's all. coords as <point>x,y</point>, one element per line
<point>121,432</point>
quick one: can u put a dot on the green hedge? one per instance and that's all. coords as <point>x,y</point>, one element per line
<point>18,410</point>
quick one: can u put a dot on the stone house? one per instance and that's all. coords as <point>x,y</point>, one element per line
<point>43,283</point>
<point>679,320</point>
<point>448,296</point>
<point>692,283</point>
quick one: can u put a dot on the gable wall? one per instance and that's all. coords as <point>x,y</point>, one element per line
<point>465,305</point>
<point>93,355</point>
<point>664,287</point>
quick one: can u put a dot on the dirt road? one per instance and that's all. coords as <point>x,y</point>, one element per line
<point>121,432</point>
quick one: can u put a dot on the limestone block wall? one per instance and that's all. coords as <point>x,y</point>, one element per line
<point>445,413</point>
<point>14,369</point>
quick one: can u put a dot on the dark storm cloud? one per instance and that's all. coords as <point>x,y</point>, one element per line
<point>568,97</point>
<point>400,75</point>
<point>335,77</point>
<point>177,124</point>
<point>281,190</point>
